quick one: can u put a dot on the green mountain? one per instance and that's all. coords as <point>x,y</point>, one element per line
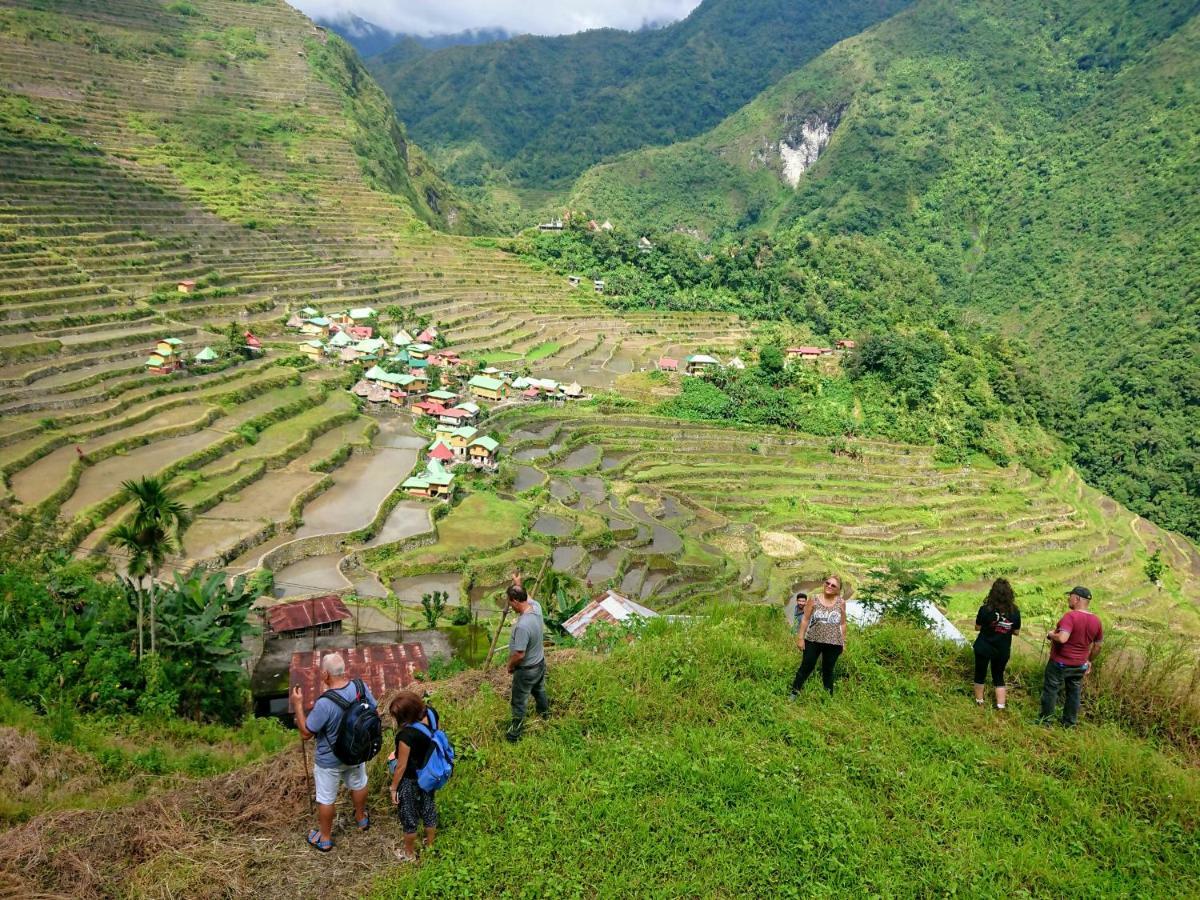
<point>539,110</point>
<point>1039,159</point>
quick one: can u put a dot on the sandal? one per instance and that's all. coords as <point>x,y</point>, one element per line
<point>364,823</point>
<point>404,856</point>
<point>314,841</point>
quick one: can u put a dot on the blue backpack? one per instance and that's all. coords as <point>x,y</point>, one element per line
<point>439,764</point>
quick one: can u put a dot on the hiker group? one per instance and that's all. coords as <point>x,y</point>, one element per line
<point>820,626</point>
<point>345,725</point>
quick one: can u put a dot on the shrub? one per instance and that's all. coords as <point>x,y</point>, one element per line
<point>900,591</point>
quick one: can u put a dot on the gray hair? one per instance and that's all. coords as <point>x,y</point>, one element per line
<point>333,664</point>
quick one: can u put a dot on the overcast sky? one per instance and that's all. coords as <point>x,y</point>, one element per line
<point>427,17</point>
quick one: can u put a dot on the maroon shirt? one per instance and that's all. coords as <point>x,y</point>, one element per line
<point>1085,630</point>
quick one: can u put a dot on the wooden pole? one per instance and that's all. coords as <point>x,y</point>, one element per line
<point>487,663</point>
<point>308,776</point>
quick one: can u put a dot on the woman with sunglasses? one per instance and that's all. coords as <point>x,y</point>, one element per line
<point>822,634</point>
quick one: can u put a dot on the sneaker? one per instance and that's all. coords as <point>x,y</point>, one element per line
<point>1001,707</point>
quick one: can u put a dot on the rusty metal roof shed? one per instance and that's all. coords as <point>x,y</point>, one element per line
<point>382,667</point>
<point>300,614</point>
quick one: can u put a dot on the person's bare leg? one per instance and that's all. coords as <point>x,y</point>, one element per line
<point>1001,696</point>
<point>325,820</point>
<point>430,834</point>
<point>360,804</point>
<point>979,688</point>
<point>410,844</point>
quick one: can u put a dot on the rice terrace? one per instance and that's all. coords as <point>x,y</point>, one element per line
<point>284,385</point>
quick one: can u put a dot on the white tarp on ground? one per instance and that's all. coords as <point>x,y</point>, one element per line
<point>941,627</point>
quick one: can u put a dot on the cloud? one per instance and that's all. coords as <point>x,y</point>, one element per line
<point>522,16</point>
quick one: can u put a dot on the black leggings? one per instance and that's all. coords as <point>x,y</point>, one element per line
<point>828,653</point>
<point>996,662</point>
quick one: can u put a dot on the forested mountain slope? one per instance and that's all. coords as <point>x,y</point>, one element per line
<point>1039,158</point>
<point>538,110</point>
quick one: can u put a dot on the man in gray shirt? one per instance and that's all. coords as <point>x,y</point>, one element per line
<point>526,658</point>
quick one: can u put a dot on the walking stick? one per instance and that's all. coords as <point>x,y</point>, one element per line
<point>308,777</point>
<point>487,663</point>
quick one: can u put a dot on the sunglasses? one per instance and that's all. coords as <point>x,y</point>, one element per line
<point>832,584</point>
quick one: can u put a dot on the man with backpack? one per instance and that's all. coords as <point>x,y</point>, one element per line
<point>348,734</point>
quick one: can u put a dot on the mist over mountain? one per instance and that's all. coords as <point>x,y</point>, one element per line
<point>369,39</point>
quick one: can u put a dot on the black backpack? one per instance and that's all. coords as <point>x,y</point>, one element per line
<point>360,733</point>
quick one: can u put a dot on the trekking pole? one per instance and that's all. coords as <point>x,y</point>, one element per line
<point>308,777</point>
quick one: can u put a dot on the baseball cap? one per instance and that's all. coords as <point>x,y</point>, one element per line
<point>1080,592</point>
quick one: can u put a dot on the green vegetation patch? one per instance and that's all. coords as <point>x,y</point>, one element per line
<point>672,752</point>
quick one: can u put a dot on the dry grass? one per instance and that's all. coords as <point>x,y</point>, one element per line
<point>235,835</point>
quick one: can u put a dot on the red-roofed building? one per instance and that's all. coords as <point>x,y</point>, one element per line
<point>428,336</point>
<point>362,332</point>
<point>807,352</point>
<point>382,667</point>
<point>441,452</point>
<point>300,618</point>
<point>845,345</point>
<point>667,364</point>
<point>252,342</point>
<point>429,408</point>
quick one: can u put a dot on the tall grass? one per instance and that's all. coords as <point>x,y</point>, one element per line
<point>1152,689</point>
<point>676,766</point>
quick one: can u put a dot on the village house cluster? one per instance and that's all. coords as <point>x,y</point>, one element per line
<point>168,357</point>
<point>699,363</point>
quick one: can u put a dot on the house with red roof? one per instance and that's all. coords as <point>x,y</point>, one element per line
<point>668,364</point>
<point>304,618</point>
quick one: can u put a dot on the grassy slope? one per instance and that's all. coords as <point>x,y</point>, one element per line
<point>681,758</point>
<point>542,109</point>
<point>1056,201</point>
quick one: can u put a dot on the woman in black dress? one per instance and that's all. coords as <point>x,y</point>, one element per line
<point>997,621</point>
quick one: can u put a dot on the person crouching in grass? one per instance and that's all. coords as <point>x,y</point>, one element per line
<point>412,749</point>
<point>997,621</point>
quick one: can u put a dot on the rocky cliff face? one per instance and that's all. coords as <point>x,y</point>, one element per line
<point>803,143</point>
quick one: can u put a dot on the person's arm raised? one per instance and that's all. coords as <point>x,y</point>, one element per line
<point>298,714</point>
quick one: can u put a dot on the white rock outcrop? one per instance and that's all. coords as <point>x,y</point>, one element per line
<point>799,151</point>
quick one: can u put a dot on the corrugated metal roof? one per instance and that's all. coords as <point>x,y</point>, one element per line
<point>608,607</point>
<point>382,667</point>
<point>305,613</point>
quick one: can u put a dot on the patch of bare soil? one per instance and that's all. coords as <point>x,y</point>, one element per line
<point>781,545</point>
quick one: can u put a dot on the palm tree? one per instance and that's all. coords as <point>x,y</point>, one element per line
<point>150,536</point>
<point>126,537</point>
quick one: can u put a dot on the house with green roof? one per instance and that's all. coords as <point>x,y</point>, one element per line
<point>434,482</point>
<point>482,452</point>
<point>207,355</point>
<point>488,388</point>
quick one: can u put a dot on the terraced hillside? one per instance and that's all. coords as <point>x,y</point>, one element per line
<point>235,145</point>
<point>678,514</point>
